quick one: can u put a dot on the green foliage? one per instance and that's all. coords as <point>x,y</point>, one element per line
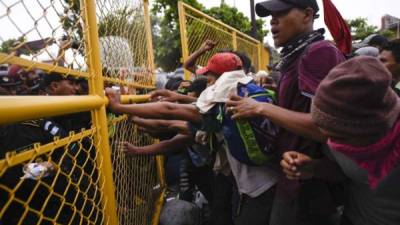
<point>389,34</point>
<point>8,45</point>
<point>231,16</point>
<point>120,23</point>
<point>167,43</point>
<point>71,20</point>
<point>360,29</point>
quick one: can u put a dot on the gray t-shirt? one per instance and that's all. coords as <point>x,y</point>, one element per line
<point>251,180</point>
<point>365,206</point>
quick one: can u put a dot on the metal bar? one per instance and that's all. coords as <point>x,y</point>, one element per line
<point>129,99</point>
<point>99,118</point>
<point>13,158</point>
<point>208,24</point>
<point>13,108</point>
<point>259,56</point>
<point>163,186</point>
<point>150,54</point>
<point>4,58</point>
<point>127,83</point>
<point>184,40</point>
<point>19,108</point>
<point>216,21</point>
<point>253,20</point>
<point>234,40</point>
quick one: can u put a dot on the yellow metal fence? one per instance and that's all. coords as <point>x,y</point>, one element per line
<point>197,27</point>
<point>88,179</point>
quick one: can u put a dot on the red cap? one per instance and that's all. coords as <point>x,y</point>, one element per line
<point>221,63</point>
<point>14,71</point>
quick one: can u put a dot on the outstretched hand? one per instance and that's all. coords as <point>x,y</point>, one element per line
<point>209,45</point>
<point>242,108</point>
<point>297,166</point>
<point>113,99</point>
<point>164,95</point>
<point>130,149</point>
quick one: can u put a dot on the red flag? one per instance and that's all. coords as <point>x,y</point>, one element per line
<point>337,26</point>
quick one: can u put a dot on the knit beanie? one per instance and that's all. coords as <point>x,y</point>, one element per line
<point>356,100</point>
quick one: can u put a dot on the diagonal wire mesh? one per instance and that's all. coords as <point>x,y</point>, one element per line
<point>250,48</point>
<point>200,27</point>
<point>44,36</point>
<point>46,31</point>
<point>135,203</point>
<point>200,30</point>
<point>122,46</point>
<point>70,194</point>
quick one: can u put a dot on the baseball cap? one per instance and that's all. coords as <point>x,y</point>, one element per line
<point>8,81</point>
<point>221,63</point>
<point>372,40</point>
<point>264,9</point>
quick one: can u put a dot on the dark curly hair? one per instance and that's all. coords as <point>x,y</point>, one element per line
<point>394,47</point>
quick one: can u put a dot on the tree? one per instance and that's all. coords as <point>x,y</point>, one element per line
<point>8,45</point>
<point>360,29</point>
<point>167,42</point>
<point>232,17</point>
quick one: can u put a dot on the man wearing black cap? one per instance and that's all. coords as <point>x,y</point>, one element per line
<point>8,85</point>
<point>306,58</point>
<point>57,84</point>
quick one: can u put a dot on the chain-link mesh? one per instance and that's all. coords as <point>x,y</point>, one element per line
<point>135,203</point>
<point>121,45</point>
<point>69,192</point>
<point>199,28</point>
<point>45,31</point>
<point>62,180</point>
<point>250,48</point>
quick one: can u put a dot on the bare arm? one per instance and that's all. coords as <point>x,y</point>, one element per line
<point>170,96</point>
<point>296,122</point>
<point>157,110</point>
<point>190,63</point>
<point>161,110</point>
<point>179,126</point>
<point>175,144</point>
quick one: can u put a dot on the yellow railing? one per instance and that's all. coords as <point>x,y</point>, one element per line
<point>89,180</point>
<point>196,27</point>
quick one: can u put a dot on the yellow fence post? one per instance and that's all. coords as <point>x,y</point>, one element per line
<point>99,118</point>
<point>182,26</point>
<point>234,40</point>
<point>260,64</point>
<point>159,159</point>
<point>150,54</point>
<point>160,199</point>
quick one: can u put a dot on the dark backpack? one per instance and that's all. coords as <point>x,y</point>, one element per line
<point>249,141</point>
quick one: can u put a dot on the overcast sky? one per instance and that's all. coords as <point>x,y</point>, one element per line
<point>373,10</point>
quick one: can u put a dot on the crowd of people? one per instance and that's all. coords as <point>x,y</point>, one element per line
<point>320,148</point>
<point>314,141</point>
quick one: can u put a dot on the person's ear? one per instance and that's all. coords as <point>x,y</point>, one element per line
<point>309,14</point>
<point>53,86</point>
